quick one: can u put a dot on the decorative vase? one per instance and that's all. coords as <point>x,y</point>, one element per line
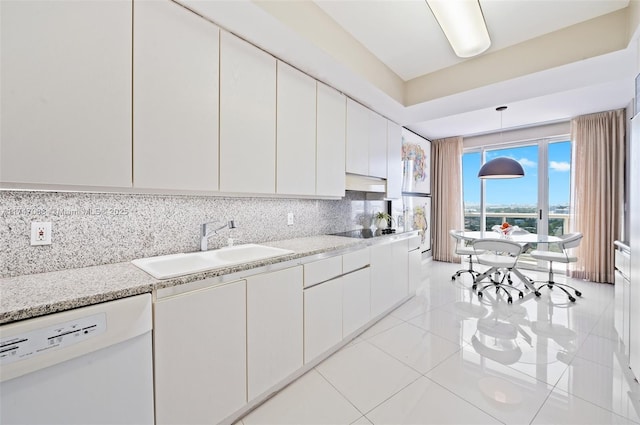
<point>381,223</point>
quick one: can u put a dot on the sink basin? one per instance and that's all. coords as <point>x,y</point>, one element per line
<point>174,265</point>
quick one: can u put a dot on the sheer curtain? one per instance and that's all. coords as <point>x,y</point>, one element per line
<point>446,166</point>
<point>598,191</point>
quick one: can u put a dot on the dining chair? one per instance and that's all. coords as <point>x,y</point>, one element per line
<point>464,249</point>
<point>568,241</point>
<point>501,256</point>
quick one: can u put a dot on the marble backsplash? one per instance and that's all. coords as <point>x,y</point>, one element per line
<point>101,228</point>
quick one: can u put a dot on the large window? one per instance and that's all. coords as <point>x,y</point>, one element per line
<point>539,202</point>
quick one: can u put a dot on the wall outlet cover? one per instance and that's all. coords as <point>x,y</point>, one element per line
<point>40,233</point>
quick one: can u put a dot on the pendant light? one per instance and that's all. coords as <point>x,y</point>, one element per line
<point>463,24</point>
<point>501,167</point>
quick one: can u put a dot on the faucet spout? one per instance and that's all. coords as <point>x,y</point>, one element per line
<point>206,231</point>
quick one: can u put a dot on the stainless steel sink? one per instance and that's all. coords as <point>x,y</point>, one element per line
<point>174,265</point>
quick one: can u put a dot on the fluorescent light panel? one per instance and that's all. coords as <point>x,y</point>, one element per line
<point>463,25</point>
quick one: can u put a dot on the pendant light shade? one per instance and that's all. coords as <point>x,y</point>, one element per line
<point>501,168</point>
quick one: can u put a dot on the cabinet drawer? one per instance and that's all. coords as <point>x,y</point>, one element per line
<point>323,270</point>
<point>355,260</point>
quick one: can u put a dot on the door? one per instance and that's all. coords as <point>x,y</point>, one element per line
<point>66,92</point>
<point>247,117</point>
<point>175,98</point>
<point>296,132</point>
<point>274,328</point>
<point>200,355</point>
<point>322,318</point>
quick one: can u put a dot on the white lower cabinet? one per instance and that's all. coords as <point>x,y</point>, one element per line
<point>220,348</point>
<point>415,270</point>
<point>200,355</point>
<point>274,328</point>
<point>400,267</point>
<point>322,317</point>
<point>356,300</point>
<point>389,275</point>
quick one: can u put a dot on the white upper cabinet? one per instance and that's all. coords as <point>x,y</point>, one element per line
<point>296,132</point>
<point>357,151</point>
<point>377,145</point>
<point>66,92</point>
<point>175,98</point>
<point>366,150</point>
<point>330,149</point>
<point>247,117</point>
<point>394,160</point>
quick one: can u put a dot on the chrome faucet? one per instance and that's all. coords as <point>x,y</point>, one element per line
<point>205,232</point>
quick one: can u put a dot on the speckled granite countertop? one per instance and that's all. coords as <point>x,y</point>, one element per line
<point>28,296</point>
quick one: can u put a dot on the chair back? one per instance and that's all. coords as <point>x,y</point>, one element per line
<point>502,246</point>
<point>571,240</point>
<point>462,244</point>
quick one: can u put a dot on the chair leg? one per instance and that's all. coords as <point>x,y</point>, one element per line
<point>551,284</point>
<point>500,285</point>
<point>470,270</point>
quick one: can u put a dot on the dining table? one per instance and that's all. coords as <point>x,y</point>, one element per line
<point>522,237</point>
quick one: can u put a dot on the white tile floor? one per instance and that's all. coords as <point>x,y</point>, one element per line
<point>447,357</point>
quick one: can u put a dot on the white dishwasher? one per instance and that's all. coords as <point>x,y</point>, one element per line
<point>91,365</point>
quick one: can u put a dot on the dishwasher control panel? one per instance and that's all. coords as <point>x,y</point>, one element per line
<point>38,341</point>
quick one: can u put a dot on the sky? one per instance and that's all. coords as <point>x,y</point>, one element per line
<point>522,191</point>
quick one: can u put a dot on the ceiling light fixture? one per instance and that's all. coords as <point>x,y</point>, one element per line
<point>501,167</point>
<point>463,24</point>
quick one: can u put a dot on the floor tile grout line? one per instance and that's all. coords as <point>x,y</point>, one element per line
<point>544,402</point>
<point>463,399</point>
<point>392,395</point>
<point>596,405</point>
<point>339,392</point>
<point>408,365</point>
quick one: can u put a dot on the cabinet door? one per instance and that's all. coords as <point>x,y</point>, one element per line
<point>626,315</point>
<point>377,145</point>
<point>330,142</point>
<point>247,117</point>
<point>618,312</point>
<point>357,152</point>
<point>322,318</point>
<point>394,160</point>
<point>356,300</point>
<point>200,355</point>
<point>274,328</point>
<point>634,238</point>
<point>415,270</point>
<point>175,98</point>
<point>296,132</point>
<point>382,292</point>
<point>400,265</point>
<point>66,92</point>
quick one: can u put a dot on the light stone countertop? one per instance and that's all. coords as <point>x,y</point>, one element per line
<point>28,296</point>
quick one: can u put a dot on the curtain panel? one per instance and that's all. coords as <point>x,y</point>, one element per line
<point>446,178</point>
<point>598,194</point>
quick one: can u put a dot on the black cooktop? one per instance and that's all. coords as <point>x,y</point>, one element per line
<point>365,233</point>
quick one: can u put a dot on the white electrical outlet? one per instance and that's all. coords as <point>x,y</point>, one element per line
<point>40,233</point>
<point>290,219</point>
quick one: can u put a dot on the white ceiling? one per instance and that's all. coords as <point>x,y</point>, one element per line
<point>405,36</point>
<point>378,51</point>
